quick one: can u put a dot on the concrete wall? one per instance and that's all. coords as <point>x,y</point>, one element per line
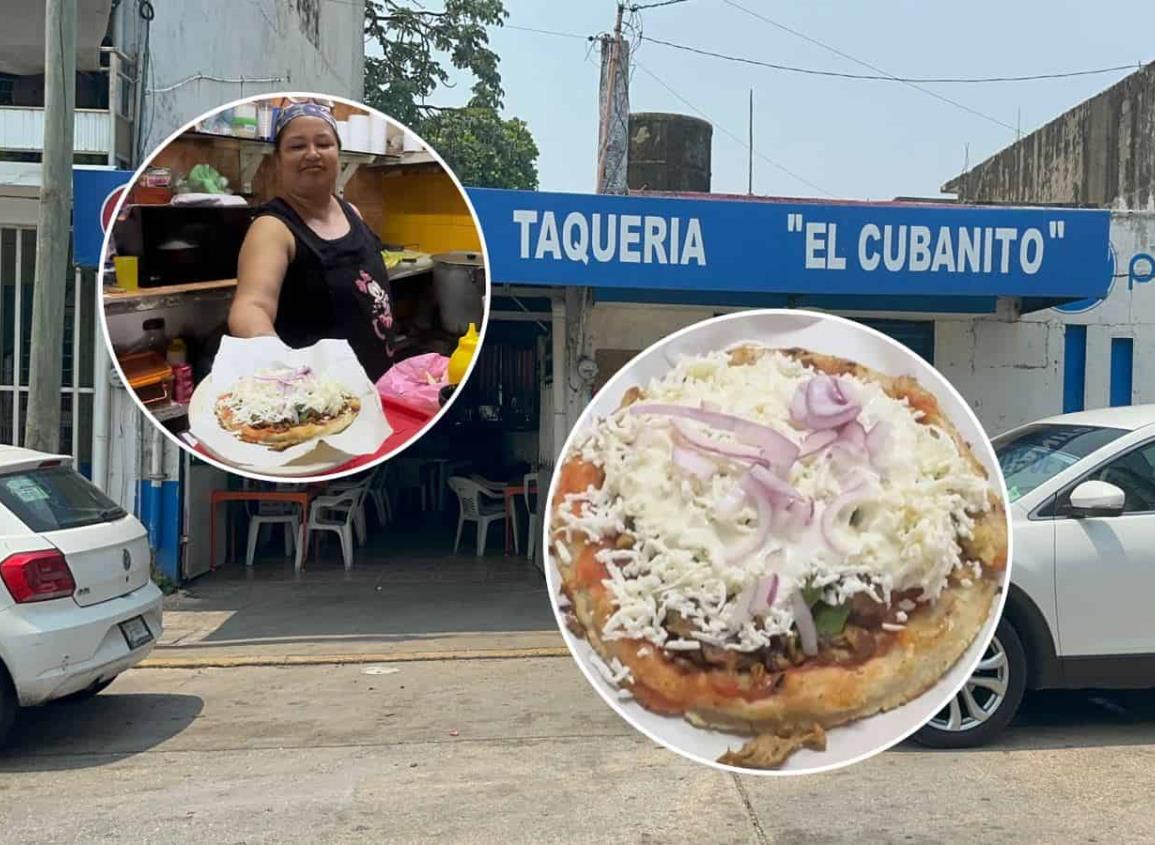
<point>1102,153</point>
<point>1009,369</point>
<point>297,45</point>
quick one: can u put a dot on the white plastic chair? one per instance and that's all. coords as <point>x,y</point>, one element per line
<point>532,507</point>
<point>274,513</point>
<point>473,509</point>
<point>378,493</point>
<point>365,484</point>
<point>336,512</point>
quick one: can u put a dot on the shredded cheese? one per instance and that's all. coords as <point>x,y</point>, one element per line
<point>924,495</point>
<point>284,395</point>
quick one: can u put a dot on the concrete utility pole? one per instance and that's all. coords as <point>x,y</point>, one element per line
<point>42,427</point>
<point>614,113</point>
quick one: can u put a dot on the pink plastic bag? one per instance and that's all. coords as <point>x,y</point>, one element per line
<point>416,381</point>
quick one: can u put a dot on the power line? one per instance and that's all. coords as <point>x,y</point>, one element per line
<point>866,64</point>
<point>886,78</point>
<point>549,32</point>
<point>637,8</point>
<point>730,134</point>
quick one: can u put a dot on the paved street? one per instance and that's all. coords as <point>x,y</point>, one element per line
<point>520,750</point>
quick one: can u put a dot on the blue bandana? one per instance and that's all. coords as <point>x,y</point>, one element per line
<point>293,111</point>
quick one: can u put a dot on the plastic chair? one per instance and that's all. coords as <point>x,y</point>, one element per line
<point>473,509</point>
<point>336,512</point>
<point>274,513</point>
<point>363,483</point>
<point>378,493</point>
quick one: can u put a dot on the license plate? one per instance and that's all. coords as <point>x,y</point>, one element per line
<point>136,632</point>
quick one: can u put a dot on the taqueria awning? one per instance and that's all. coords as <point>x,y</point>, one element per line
<point>901,256</point>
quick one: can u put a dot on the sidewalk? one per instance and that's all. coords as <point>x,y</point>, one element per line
<point>392,603</point>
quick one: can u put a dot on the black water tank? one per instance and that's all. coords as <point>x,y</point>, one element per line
<point>669,152</point>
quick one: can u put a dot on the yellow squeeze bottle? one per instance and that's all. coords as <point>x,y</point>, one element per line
<point>462,355</point>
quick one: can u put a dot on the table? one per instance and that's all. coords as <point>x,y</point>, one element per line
<point>512,491</point>
<point>300,497</point>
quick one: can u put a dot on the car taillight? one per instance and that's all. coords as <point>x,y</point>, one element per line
<point>37,576</point>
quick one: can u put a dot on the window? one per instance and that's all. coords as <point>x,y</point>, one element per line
<point>1134,473</point>
<point>1035,454</point>
<point>54,498</point>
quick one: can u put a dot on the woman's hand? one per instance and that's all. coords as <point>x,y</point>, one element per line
<point>264,258</point>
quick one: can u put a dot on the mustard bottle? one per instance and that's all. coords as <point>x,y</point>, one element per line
<point>462,355</point>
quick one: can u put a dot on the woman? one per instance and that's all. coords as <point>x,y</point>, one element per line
<point>310,268</point>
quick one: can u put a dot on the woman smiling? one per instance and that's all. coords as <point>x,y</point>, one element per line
<point>310,268</point>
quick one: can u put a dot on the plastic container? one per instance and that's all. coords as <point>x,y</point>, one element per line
<point>149,375</point>
<point>245,120</point>
<point>182,385</point>
<point>154,339</point>
<point>462,355</point>
<point>177,352</point>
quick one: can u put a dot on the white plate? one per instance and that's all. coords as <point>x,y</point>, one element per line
<point>324,458</point>
<point>821,333</point>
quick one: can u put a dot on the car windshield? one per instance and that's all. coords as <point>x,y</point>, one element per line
<point>1032,455</point>
<point>54,498</point>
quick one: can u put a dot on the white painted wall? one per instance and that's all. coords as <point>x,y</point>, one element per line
<point>1012,371</point>
<point>254,39</point>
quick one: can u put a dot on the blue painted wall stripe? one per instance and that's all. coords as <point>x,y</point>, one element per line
<point>1074,367</point>
<point>1122,365</point>
<point>160,511</point>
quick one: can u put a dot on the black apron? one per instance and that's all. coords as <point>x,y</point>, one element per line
<point>336,289</point>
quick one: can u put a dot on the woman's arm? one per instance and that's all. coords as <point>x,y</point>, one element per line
<point>261,267</point>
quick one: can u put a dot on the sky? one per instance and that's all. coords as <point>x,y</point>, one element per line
<point>817,136</point>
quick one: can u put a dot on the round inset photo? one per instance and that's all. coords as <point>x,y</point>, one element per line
<point>294,286</point>
<point>778,541</point>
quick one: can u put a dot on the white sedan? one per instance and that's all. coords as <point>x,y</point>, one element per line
<point>77,604</point>
<point>1079,611</point>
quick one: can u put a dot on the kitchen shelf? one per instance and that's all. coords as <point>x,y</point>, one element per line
<point>168,411</point>
<point>146,299</point>
<point>410,268</point>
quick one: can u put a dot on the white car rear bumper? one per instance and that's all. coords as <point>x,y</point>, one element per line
<point>56,648</point>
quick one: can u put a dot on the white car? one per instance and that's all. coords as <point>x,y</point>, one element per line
<point>77,604</point>
<point>1079,610</point>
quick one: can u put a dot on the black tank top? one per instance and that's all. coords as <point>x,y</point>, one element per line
<point>336,289</point>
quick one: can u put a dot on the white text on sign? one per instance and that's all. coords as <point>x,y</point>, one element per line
<point>627,238</point>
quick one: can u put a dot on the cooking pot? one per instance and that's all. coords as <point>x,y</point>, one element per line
<point>459,286</point>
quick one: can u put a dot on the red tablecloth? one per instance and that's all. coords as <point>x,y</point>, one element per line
<point>404,419</point>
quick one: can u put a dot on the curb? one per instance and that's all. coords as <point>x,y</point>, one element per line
<point>239,661</point>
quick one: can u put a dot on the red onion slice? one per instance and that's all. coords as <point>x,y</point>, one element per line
<point>693,462</point>
<point>729,450</point>
<point>779,491</point>
<point>823,403</point>
<point>854,433</point>
<point>757,540</point>
<point>816,441</point>
<point>832,516</point>
<point>731,503</point>
<point>804,621</point>
<point>777,449</point>
<point>765,591</point>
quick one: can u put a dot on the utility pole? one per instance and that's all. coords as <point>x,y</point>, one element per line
<point>614,113</point>
<point>42,427</point>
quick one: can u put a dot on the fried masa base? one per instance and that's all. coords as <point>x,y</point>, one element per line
<point>794,710</point>
<point>279,438</point>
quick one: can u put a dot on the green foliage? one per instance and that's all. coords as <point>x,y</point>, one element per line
<point>482,149</point>
<point>410,38</point>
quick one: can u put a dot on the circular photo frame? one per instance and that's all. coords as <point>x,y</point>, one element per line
<point>295,287</point>
<point>718,534</point>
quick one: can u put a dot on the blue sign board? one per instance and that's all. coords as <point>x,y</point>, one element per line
<point>754,246</point>
<point>93,199</point>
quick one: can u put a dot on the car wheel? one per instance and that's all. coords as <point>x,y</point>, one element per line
<point>987,702</point>
<point>88,692</point>
<point>8,705</point>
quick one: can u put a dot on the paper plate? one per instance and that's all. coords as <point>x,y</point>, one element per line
<point>823,334</point>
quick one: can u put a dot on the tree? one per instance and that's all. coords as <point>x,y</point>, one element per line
<point>483,149</point>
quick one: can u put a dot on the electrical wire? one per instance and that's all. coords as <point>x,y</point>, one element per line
<point>637,8</point>
<point>887,78</point>
<point>549,32</point>
<point>866,64</point>
<point>731,135</point>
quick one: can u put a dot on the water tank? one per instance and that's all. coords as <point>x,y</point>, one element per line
<point>669,152</point>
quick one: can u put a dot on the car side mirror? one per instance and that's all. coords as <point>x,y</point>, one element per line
<point>1096,498</point>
